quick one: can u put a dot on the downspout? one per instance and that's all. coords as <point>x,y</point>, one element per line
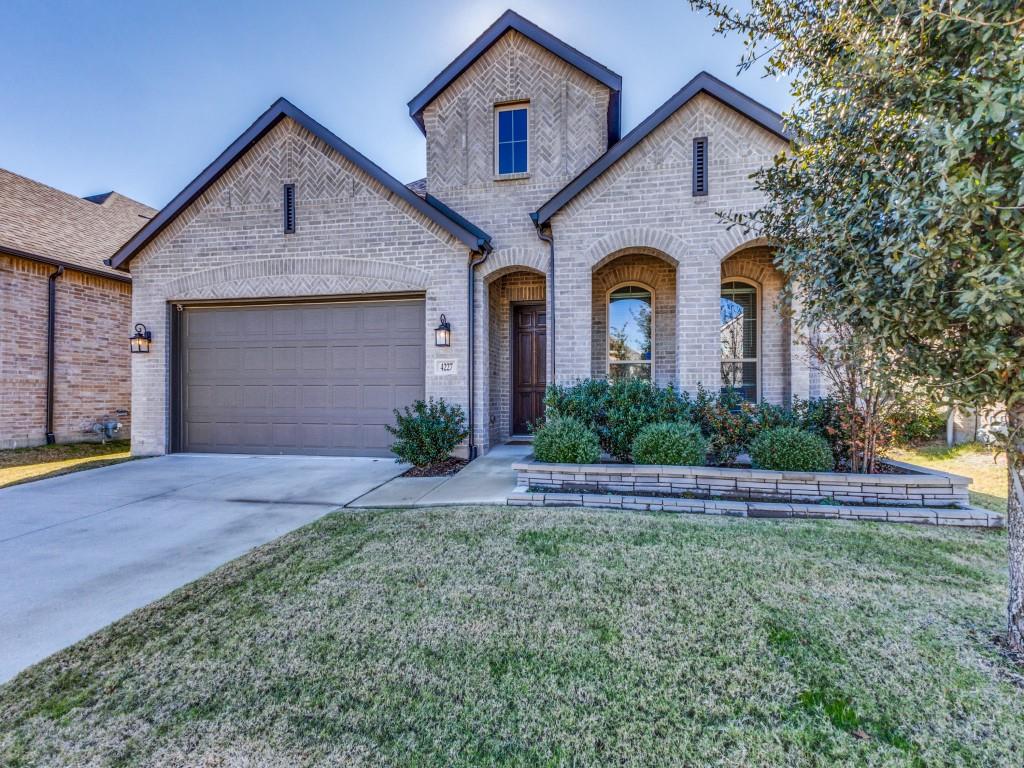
<point>51,332</point>
<point>478,258</point>
<point>550,240</point>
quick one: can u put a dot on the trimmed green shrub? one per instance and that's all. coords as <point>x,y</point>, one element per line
<point>426,433</point>
<point>565,440</point>
<point>670,443</point>
<point>585,400</point>
<point>791,449</point>
<point>634,404</point>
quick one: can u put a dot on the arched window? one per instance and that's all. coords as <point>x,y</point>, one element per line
<point>739,338</point>
<point>630,334</point>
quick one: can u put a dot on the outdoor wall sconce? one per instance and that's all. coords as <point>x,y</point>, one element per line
<point>142,339</point>
<point>443,334</point>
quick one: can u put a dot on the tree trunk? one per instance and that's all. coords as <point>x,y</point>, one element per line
<point>1015,526</point>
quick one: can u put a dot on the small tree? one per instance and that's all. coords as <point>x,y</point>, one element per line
<point>899,207</point>
<point>868,386</point>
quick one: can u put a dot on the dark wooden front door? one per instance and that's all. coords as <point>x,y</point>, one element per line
<point>529,350</point>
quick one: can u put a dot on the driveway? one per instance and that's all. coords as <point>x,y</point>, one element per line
<point>80,551</point>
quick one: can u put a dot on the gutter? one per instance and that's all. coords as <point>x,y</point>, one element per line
<point>475,260</point>
<point>550,240</point>
<point>51,332</point>
<point>123,278</point>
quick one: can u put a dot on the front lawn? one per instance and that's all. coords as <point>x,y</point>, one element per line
<point>989,486</point>
<point>20,465</point>
<point>501,636</point>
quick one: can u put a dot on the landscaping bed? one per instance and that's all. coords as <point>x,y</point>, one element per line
<point>494,636</point>
<point>912,487</point>
<point>907,495</point>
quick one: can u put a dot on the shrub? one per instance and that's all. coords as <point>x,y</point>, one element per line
<point>565,440</point>
<point>915,420</point>
<point>426,433</point>
<point>670,443</point>
<point>725,421</point>
<point>634,404</point>
<point>791,449</point>
<point>585,400</point>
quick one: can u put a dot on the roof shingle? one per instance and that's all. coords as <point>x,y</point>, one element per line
<point>37,220</point>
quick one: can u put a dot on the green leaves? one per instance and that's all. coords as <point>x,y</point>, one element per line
<point>900,207</point>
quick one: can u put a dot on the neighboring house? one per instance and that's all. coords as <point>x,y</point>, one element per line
<point>65,314</point>
<point>294,288</point>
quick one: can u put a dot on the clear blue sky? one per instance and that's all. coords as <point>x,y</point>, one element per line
<point>140,96</point>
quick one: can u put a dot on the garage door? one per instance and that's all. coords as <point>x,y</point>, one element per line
<point>299,378</point>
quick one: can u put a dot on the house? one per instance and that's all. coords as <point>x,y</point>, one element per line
<point>297,293</point>
<point>64,355</point>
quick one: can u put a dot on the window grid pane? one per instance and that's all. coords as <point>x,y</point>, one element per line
<point>512,141</point>
<point>739,335</point>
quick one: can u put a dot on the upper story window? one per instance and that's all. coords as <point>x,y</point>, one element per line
<point>630,335</point>
<point>511,139</point>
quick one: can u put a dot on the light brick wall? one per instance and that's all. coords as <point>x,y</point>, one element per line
<point>644,202</point>
<point>352,237</point>
<point>568,122</point>
<point>92,358</point>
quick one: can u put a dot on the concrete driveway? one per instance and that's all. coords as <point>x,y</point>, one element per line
<point>80,551</point>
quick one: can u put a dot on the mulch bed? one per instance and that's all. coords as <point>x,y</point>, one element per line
<point>443,469</point>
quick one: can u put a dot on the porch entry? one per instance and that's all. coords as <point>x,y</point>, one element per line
<point>529,348</point>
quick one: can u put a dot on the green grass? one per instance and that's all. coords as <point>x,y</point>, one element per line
<point>21,465</point>
<point>541,637</point>
<point>987,471</point>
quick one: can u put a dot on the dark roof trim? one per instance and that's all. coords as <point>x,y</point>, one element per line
<point>702,83</point>
<point>278,111</point>
<point>485,239</point>
<point>512,20</point>
<point>60,263</point>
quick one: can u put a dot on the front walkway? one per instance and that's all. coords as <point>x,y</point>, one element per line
<point>487,480</point>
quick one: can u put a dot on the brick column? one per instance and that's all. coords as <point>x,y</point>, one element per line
<point>698,340</point>
<point>799,363</point>
<point>571,300</point>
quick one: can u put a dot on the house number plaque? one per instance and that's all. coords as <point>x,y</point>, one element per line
<point>446,367</point>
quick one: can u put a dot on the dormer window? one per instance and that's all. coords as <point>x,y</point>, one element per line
<point>511,127</point>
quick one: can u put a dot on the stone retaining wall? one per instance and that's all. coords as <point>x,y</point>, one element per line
<point>954,516</point>
<point>920,487</point>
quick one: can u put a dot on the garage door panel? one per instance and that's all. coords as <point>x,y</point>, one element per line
<point>316,378</point>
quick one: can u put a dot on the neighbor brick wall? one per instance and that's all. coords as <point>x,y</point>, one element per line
<point>92,358</point>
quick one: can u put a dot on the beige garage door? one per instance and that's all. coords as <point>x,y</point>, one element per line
<point>299,378</point>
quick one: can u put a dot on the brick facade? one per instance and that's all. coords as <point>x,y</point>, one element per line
<point>92,359</point>
<point>352,237</point>
<point>638,221</point>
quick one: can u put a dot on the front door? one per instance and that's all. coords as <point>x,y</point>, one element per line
<point>529,350</point>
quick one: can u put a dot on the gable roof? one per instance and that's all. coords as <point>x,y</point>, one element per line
<point>702,83</point>
<point>512,20</point>
<point>44,224</point>
<point>474,239</point>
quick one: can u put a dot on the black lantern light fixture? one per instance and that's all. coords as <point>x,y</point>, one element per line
<point>443,334</point>
<point>142,339</point>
